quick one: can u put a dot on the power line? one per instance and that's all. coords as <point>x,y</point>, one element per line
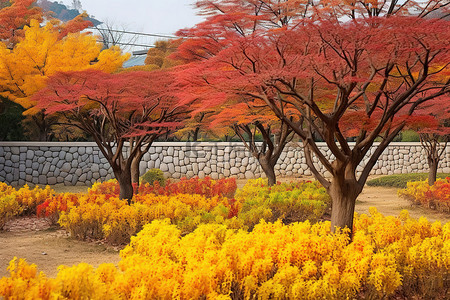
<point>126,44</point>
<point>139,33</point>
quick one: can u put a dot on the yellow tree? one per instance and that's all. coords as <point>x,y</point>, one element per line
<point>44,51</point>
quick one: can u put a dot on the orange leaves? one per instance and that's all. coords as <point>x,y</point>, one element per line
<point>436,196</point>
<point>14,15</point>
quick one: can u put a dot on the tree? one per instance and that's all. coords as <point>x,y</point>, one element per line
<point>262,133</point>
<point>123,112</point>
<point>14,16</point>
<point>160,55</point>
<point>10,121</point>
<point>432,122</point>
<point>358,77</point>
<point>44,51</point>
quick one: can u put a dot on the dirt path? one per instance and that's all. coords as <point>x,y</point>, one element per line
<point>34,240</point>
<point>389,204</point>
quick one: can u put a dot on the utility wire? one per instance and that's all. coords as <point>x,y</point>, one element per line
<point>138,33</point>
<point>126,44</point>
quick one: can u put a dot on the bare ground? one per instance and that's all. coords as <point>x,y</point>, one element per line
<point>48,247</point>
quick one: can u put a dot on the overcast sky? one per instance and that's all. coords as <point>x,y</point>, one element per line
<point>150,16</point>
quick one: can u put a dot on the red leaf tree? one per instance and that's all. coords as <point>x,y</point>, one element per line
<point>432,122</point>
<point>123,112</point>
<point>358,77</point>
<point>263,134</point>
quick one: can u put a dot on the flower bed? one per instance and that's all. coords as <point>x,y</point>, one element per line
<point>99,214</point>
<point>406,259</point>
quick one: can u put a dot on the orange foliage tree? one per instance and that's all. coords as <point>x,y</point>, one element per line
<point>262,133</point>
<point>42,52</point>
<point>346,69</point>
<point>14,15</point>
<point>123,112</point>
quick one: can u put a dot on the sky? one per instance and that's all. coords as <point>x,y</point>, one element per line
<point>149,16</point>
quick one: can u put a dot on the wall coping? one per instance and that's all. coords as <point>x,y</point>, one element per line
<point>161,144</point>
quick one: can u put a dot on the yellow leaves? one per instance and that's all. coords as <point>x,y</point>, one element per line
<point>42,53</point>
<point>215,262</point>
<point>110,60</point>
<point>9,208</point>
<point>24,282</point>
<point>383,274</point>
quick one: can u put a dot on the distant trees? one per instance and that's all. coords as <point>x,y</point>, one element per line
<point>123,112</point>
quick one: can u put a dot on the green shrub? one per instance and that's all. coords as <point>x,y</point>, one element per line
<point>289,202</point>
<point>410,136</point>
<point>400,180</point>
<point>153,175</point>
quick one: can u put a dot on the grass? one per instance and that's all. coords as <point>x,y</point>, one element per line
<point>400,180</point>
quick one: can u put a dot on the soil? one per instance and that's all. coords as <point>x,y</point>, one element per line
<point>48,247</point>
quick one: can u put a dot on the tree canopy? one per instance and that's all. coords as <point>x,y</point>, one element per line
<point>123,112</point>
<point>332,70</point>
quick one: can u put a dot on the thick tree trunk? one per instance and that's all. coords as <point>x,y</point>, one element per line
<point>343,190</point>
<point>433,165</point>
<point>126,187</point>
<point>269,170</point>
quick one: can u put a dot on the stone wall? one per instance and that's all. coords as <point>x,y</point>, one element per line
<point>83,164</point>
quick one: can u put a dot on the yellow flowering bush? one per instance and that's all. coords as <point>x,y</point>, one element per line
<point>436,196</point>
<point>22,201</point>
<point>102,216</point>
<point>29,199</point>
<point>274,261</point>
<point>9,208</point>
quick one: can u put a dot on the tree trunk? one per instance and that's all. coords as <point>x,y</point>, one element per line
<point>433,165</point>
<point>135,172</point>
<point>343,190</point>
<point>126,187</point>
<point>269,170</point>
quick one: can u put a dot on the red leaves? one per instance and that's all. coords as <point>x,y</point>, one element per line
<point>133,103</point>
<point>14,15</point>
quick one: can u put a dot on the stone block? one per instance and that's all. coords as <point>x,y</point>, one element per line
<point>9,178</point>
<point>164,167</point>
<point>62,155</point>
<point>95,168</point>
<point>234,171</point>
<point>15,150</point>
<point>42,179</point>
<point>83,177</point>
<point>46,168</point>
<point>168,159</point>
<point>69,157</point>
<point>66,167</point>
